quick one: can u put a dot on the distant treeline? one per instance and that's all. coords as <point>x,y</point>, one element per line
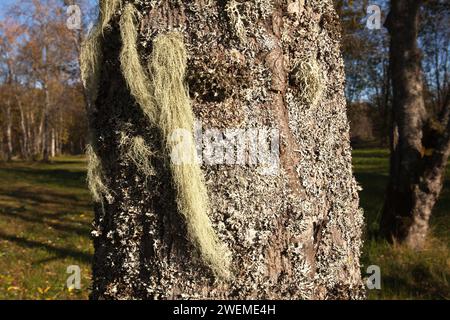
<point>42,105</point>
<point>366,54</point>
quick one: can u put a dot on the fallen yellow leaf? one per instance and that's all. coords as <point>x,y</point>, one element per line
<point>42,291</point>
<point>12,288</point>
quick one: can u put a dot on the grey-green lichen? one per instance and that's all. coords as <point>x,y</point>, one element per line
<point>95,176</point>
<point>163,98</point>
<point>307,76</point>
<point>91,49</point>
<point>136,150</point>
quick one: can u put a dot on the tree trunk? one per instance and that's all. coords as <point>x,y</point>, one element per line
<point>46,134</point>
<point>23,127</point>
<point>46,141</point>
<point>418,157</point>
<point>8,132</point>
<point>52,143</point>
<point>294,233</point>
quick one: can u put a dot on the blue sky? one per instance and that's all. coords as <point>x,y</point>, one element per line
<point>6,3</point>
<point>3,5</point>
<point>87,8</point>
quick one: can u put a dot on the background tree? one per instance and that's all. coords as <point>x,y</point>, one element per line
<point>9,38</point>
<point>434,40</point>
<point>366,56</point>
<point>45,109</point>
<point>420,142</point>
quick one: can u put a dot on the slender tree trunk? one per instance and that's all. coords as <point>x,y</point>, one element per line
<point>52,143</point>
<point>59,143</point>
<point>294,234</point>
<point>8,132</point>
<point>23,127</point>
<point>46,148</point>
<point>37,136</point>
<point>417,159</point>
<point>2,149</point>
<point>59,135</point>
<point>46,134</point>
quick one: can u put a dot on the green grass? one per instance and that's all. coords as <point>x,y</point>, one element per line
<point>405,274</point>
<point>45,217</point>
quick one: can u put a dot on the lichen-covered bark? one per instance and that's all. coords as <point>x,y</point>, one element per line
<point>295,235</point>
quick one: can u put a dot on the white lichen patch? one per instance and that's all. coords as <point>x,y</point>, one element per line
<point>232,10</point>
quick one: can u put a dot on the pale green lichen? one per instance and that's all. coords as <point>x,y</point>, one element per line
<point>95,176</point>
<point>307,77</point>
<point>91,50</point>
<point>165,101</point>
<point>136,77</point>
<point>138,152</point>
<point>167,65</point>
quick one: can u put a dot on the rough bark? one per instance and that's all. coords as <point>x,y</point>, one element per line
<point>294,235</point>
<point>419,153</point>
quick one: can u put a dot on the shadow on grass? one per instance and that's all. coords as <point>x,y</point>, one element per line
<point>42,196</point>
<point>371,153</point>
<point>407,273</point>
<point>66,178</point>
<point>420,287</point>
<point>25,194</point>
<point>58,251</point>
<point>40,219</point>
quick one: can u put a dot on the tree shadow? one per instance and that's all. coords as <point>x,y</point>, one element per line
<point>60,226</point>
<point>58,251</point>
<point>67,178</point>
<point>27,194</point>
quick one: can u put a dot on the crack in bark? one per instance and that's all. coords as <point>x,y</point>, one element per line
<point>274,60</point>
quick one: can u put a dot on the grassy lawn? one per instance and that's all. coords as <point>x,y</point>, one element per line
<point>405,274</point>
<point>45,218</point>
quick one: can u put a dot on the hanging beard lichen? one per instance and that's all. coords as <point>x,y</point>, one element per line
<point>164,99</point>
<point>90,61</point>
<point>108,9</point>
<point>168,66</point>
<point>136,150</point>
<point>95,178</point>
<point>91,49</point>
<point>132,70</point>
<point>90,65</point>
